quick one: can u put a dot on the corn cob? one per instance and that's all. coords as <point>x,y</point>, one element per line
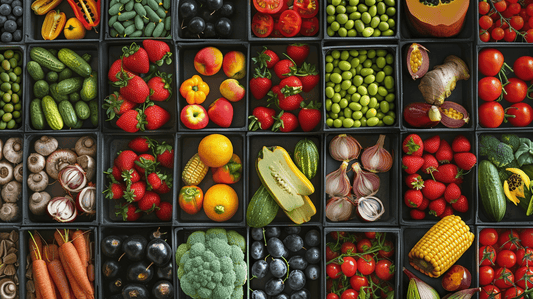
<point>194,172</point>
<point>441,246</point>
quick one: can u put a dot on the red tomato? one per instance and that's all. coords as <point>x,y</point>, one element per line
<point>388,251</point>
<point>488,236</point>
<point>336,235</point>
<point>349,266</point>
<point>485,22</point>
<point>306,8</point>
<point>489,88</point>
<point>529,10</point>
<point>486,275</point>
<point>506,258</point>
<point>358,281</point>
<point>284,7</point>
<point>487,256</point>
<point>366,264</point>
<point>268,6</point>
<point>348,246</point>
<point>523,66</point>
<point>513,293</point>
<point>490,61</point>
<point>290,23</point>
<point>529,36</point>
<point>517,22</point>
<point>484,7</point>
<point>497,33</point>
<point>364,245</point>
<point>275,32</point>
<point>526,273</point>
<point>524,257</point>
<point>329,284</point>
<point>509,240</point>
<point>349,294</point>
<point>330,254</point>
<point>516,90</point>
<point>522,112</point>
<point>333,270</point>
<point>262,24</point>
<point>309,27</point>
<point>484,36</point>
<point>514,9</point>
<point>503,278</point>
<point>332,296</point>
<point>385,270</point>
<point>491,114</point>
<point>490,291</point>
<point>526,237</point>
<point>509,35</point>
<point>500,5</point>
<point>370,235</point>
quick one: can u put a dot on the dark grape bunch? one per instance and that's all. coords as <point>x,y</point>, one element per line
<point>11,21</point>
<point>206,18</point>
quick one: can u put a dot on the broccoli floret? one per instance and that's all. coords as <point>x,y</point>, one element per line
<point>512,140</point>
<point>240,273</point>
<point>236,254</point>
<point>204,293</point>
<point>217,277</point>
<point>226,265</point>
<point>196,237</point>
<point>234,238</point>
<point>238,293</point>
<point>219,247</point>
<point>487,144</point>
<point>216,233</point>
<point>197,249</point>
<point>181,251</point>
<point>501,155</point>
<point>222,292</point>
<point>181,271</point>
<point>184,258</point>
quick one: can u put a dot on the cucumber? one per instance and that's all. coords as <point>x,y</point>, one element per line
<point>74,97</point>
<point>262,209</point>
<point>46,59</point>
<point>127,16</point>
<point>65,74</point>
<point>40,89</point>
<point>82,110</point>
<point>68,86</point>
<point>75,62</point>
<point>52,77</point>
<point>89,89</point>
<point>36,114</point>
<point>93,107</point>
<point>53,52</point>
<point>67,114</point>
<point>139,25</point>
<point>57,97</point>
<point>139,8</point>
<point>491,191</point>
<point>51,113</point>
<point>87,57</point>
<point>35,70</point>
<point>78,124</point>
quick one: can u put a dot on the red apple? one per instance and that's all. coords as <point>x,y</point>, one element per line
<point>234,65</point>
<point>232,90</point>
<point>221,112</point>
<point>208,61</point>
<point>194,117</point>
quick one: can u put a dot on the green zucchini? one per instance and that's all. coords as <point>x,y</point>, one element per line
<point>36,114</point>
<point>89,89</point>
<point>40,89</point>
<point>46,59</point>
<point>491,191</point>
<point>68,86</point>
<point>35,70</point>
<point>306,157</point>
<point>67,114</point>
<point>262,209</point>
<point>51,113</point>
<point>74,62</point>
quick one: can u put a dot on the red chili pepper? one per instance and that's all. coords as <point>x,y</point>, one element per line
<point>87,11</point>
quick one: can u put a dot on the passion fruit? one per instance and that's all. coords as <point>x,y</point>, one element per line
<point>453,115</point>
<point>417,61</point>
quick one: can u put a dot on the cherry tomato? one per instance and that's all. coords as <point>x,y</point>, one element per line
<point>484,7</point>
<point>333,270</point>
<point>284,7</point>
<point>517,22</point>
<point>366,264</point>
<point>262,24</point>
<point>336,235</point>
<point>330,254</point>
<point>332,296</point>
<point>497,33</point>
<point>522,112</point>
<point>503,278</point>
<point>490,62</point>
<point>506,258</point>
<point>529,36</point>
<point>516,90</point>
<point>512,1</point>
<point>498,23</point>
<point>490,291</point>
<point>358,281</point>
<point>509,240</point>
<point>513,293</point>
<point>489,88</point>
<point>486,275</point>
<point>500,5</point>
<point>388,251</point>
<point>349,294</point>
<point>370,235</point>
<point>514,8</point>
<point>484,36</point>
<point>488,236</point>
<point>491,114</point>
<point>349,266</point>
<point>523,14</point>
<point>487,256</point>
<point>306,8</point>
<point>348,246</point>
<point>309,27</point>
<point>523,66</point>
<point>527,277</point>
<point>290,23</point>
<point>526,237</point>
<point>385,270</point>
<point>268,6</point>
<point>525,257</point>
<point>364,245</point>
<point>509,35</point>
<point>485,22</point>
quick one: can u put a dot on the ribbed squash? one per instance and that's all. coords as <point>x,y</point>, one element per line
<point>306,157</point>
<point>262,209</point>
<point>439,18</point>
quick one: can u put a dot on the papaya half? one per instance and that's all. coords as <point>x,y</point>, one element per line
<point>438,18</point>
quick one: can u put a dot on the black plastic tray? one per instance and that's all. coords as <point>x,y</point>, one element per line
<point>410,236</point>
<point>186,53</point>
<point>238,21</point>
<point>111,51</point>
<point>388,181</point>
<point>66,141</point>
<point>467,33</point>
<point>22,202</point>
<point>112,144</point>
<point>468,188</point>
<point>256,141</point>
<point>188,147</point>
<point>80,48</point>
<point>462,94</point>
<point>180,236</point>
<point>316,94</point>
<point>391,48</point>
<point>35,23</point>
<point>105,231</point>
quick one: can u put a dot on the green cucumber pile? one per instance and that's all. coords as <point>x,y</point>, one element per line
<point>65,89</point>
<point>10,89</point>
<point>134,18</point>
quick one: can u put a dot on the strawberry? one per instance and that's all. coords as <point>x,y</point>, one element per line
<point>413,145</point>
<point>129,212</point>
<point>130,176</point>
<point>452,193</point>
<point>430,164</point>
<point>165,155</point>
<point>134,89</point>
<point>156,117</point>
<point>131,121</point>
<point>424,205</point>
<point>149,202</point>
<point>436,207</point>
<point>411,164</point>
<point>458,180</point>
<point>447,211</point>
<point>293,82</point>
<point>125,160</point>
<point>164,213</point>
<point>115,105</point>
<point>145,162</point>
<point>417,214</point>
<point>284,68</point>
<point>413,198</point>
<point>267,58</point>
<point>116,173</point>
<point>414,181</point>
<point>298,52</point>
<point>460,144</point>
<point>160,89</point>
<point>444,154</point>
<point>154,180</point>
<point>261,83</point>
<point>465,161</point>
<point>136,59</point>
<point>136,192</point>
<point>448,173</point>
<point>291,102</point>
<point>308,76</point>
<point>285,122</point>
<point>262,118</point>
<point>158,51</point>
<point>309,116</point>
<point>432,144</point>
<point>115,191</point>
<point>165,186</point>
<point>461,205</point>
<point>114,73</point>
<point>141,144</point>
<point>433,189</point>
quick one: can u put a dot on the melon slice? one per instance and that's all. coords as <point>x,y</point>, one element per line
<point>438,18</point>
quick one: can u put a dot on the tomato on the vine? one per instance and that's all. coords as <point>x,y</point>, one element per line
<point>262,24</point>
<point>306,8</point>
<point>268,6</point>
<point>500,5</point>
<point>488,236</point>
<point>290,23</point>
<point>333,270</point>
<point>491,114</point>
<point>515,90</point>
<point>514,8</point>
<point>370,235</point>
<point>385,270</point>
<point>519,114</point>
<point>336,235</point>
<point>485,22</point>
<point>486,275</point>
<point>363,245</point>
<point>484,36</point>
<point>489,89</point>
<point>529,36</point>
<point>388,249</point>
<point>310,27</point>
<point>517,22</point>
<point>349,266</point>
<point>329,284</point>
<point>490,292</point>
<point>524,257</point>
<point>358,281</point>
<point>513,293</point>
<point>349,294</point>
<point>330,254</point>
<point>348,246</point>
<point>503,278</point>
<point>332,296</point>
<point>523,67</point>
<point>527,277</point>
<point>509,240</point>
<point>497,33</point>
<point>506,258</point>
<point>490,62</point>
<point>487,256</point>
<point>526,237</point>
<point>484,7</point>
<point>366,264</point>
<point>509,35</point>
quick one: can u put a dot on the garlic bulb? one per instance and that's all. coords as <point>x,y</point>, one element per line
<point>369,208</point>
<point>337,182</point>
<point>376,158</point>
<point>365,183</point>
<point>344,148</point>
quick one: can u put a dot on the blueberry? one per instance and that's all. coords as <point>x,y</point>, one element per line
<point>17,11</point>
<point>312,255</point>
<point>272,231</point>
<point>224,27</point>
<point>297,262</point>
<point>17,35</point>
<point>196,25</point>
<point>6,2</point>
<point>257,233</point>
<point>312,272</point>
<point>12,18</point>
<point>6,37</point>
<point>3,19</point>
<point>257,250</point>
<point>10,26</point>
<point>312,238</point>
<point>292,230</point>
<point>5,9</point>
<point>260,269</point>
<point>296,280</point>
<point>16,3</point>
<point>274,286</point>
<point>278,267</point>
<point>259,294</point>
<point>293,242</point>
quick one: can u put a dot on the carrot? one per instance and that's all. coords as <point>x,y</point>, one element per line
<point>79,242</point>
<point>90,272</point>
<point>37,292</point>
<point>74,287</point>
<point>76,267</point>
<point>42,279</point>
<point>59,238</point>
<point>60,279</point>
<point>51,252</point>
<point>36,246</point>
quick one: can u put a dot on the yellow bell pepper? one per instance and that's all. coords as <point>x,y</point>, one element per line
<point>194,90</point>
<point>53,24</point>
<point>513,187</point>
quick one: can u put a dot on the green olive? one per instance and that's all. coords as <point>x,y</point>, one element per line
<point>356,124</point>
<point>357,115</point>
<point>389,82</point>
<point>337,123</point>
<point>390,97</point>
<point>382,91</point>
<point>328,104</point>
<point>384,106</point>
<point>343,103</point>
<point>373,102</point>
<point>368,31</point>
<point>330,10</point>
<point>364,101</point>
<point>362,8</point>
<point>329,67</point>
<point>347,122</point>
<point>346,84</point>
<point>389,58</point>
<point>352,89</point>
<point>329,122</point>
<point>335,108</point>
<point>366,18</point>
<point>336,98</point>
<point>357,80</point>
<point>347,112</point>
<point>362,90</point>
<point>391,11</point>
<point>356,97</point>
<point>340,10</point>
<point>372,121</point>
<point>388,70</point>
<point>370,79</point>
<point>355,106</point>
<point>388,120</point>
<point>337,78</point>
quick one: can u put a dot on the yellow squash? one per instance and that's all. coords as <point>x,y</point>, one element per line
<point>53,24</point>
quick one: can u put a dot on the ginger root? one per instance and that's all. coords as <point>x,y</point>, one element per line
<point>439,83</point>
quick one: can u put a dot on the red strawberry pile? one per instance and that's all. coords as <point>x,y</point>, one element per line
<point>136,179</point>
<point>296,79</point>
<point>435,172</point>
<point>141,85</point>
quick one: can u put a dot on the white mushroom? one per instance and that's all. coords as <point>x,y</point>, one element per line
<point>46,145</point>
<point>6,172</point>
<point>39,202</point>
<point>8,289</point>
<point>12,191</point>
<point>13,150</point>
<point>18,173</point>
<point>38,181</point>
<point>36,162</point>
<point>9,212</point>
<point>86,146</point>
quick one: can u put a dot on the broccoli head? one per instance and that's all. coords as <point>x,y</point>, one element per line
<point>501,155</point>
<point>512,140</point>
<point>196,237</point>
<point>216,233</point>
<point>234,238</point>
<point>488,143</point>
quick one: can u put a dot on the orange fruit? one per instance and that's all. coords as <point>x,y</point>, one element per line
<point>215,150</point>
<point>220,202</point>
